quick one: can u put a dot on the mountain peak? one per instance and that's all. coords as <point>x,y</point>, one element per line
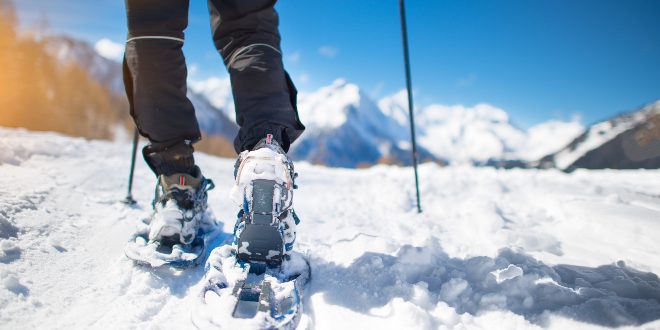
<point>329,107</point>
<point>395,106</point>
<point>350,93</point>
<point>480,112</point>
<point>339,83</point>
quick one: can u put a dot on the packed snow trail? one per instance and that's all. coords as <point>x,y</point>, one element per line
<point>493,248</point>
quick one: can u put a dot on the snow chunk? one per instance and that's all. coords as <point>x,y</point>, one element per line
<point>452,289</point>
<point>9,251</point>
<point>510,272</point>
<point>243,249</point>
<point>13,284</point>
<point>7,229</point>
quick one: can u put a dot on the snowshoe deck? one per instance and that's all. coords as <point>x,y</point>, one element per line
<point>252,293</point>
<point>155,254</point>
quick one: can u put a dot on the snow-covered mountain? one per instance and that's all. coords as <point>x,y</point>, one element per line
<point>346,128</point>
<point>574,251</point>
<point>630,140</point>
<point>466,135</point>
<point>547,137</point>
<point>478,134</point>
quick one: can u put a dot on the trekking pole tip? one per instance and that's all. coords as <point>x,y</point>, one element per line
<point>129,200</point>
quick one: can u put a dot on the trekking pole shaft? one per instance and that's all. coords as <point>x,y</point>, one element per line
<point>129,196</point>
<point>406,58</point>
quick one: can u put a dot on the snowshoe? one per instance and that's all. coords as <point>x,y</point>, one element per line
<point>175,234</point>
<point>257,281</point>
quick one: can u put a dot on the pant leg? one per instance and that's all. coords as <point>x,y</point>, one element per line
<point>155,80</point>
<point>246,35</point>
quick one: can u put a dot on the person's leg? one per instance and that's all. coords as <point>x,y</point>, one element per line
<point>155,80</point>
<point>246,35</point>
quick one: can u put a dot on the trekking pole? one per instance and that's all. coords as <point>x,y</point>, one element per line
<point>406,58</point>
<point>129,196</point>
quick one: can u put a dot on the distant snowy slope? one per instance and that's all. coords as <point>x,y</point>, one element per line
<point>346,128</point>
<point>548,137</point>
<point>477,134</point>
<point>494,249</point>
<point>395,106</point>
<point>620,142</point>
<point>465,135</point>
<point>343,103</point>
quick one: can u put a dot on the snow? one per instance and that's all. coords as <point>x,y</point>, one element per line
<point>493,249</point>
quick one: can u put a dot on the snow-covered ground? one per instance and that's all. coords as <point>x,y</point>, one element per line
<point>494,249</point>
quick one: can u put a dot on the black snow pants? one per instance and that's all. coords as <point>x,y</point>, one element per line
<point>245,33</point>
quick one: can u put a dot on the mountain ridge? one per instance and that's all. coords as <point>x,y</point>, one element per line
<point>625,141</point>
<point>347,128</point>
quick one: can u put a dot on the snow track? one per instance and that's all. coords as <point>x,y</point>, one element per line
<point>493,248</point>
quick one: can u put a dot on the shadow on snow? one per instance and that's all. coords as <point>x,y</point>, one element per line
<point>609,295</point>
<point>179,281</point>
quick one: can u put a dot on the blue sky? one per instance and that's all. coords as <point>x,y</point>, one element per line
<point>538,60</point>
